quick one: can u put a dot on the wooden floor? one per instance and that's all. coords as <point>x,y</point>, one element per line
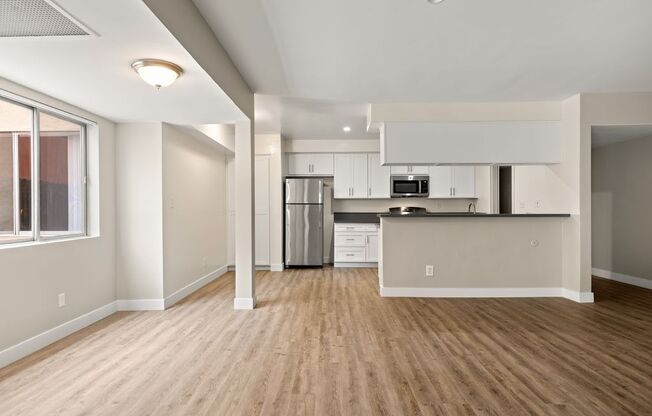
<point>322,342</point>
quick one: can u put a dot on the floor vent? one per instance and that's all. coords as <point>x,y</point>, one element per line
<point>27,18</point>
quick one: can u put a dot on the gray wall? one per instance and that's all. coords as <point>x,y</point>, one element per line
<point>621,208</point>
<point>472,252</point>
<point>194,209</point>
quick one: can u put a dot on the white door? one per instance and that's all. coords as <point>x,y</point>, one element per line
<point>372,248</point>
<point>399,170</point>
<point>322,164</point>
<point>262,210</point>
<point>343,176</point>
<point>464,181</point>
<point>298,164</point>
<point>418,170</point>
<point>441,182</point>
<point>359,175</point>
<point>377,177</point>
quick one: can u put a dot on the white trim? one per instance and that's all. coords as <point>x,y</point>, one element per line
<point>141,304</point>
<point>37,342</point>
<point>622,278</point>
<point>277,267</point>
<point>580,297</point>
<point>339,264</point>
<point>470,292</point>
<point>244,303</point>
<point>478,292</point>
<point>194,286</point>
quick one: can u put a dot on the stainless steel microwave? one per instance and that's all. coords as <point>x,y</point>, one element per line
<point>410,186</point>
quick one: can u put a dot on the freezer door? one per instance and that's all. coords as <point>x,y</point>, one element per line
<point>304,191</point>
<point>304,238</point>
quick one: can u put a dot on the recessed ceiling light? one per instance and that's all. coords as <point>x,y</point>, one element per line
<point>157,72</point>
<point>346,129</point>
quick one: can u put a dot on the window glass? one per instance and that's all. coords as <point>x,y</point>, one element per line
<point>15,172</point>
<point>61,196</point>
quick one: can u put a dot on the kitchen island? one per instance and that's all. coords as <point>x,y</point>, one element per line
<point>471,255</point>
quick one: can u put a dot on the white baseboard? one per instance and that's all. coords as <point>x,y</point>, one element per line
<point>35,343</point>
<point>472,292</point>
<point>580,297</point>
<point>277,267</point>
<point>194,286</point>
<point>244,303</point>
<point>141,304</point>
<point>622,278</point>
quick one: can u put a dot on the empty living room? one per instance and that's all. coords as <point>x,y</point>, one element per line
<point>284,207</point>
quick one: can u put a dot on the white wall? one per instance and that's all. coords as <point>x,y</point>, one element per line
<point>272,145</point>
<point>194,209</point>
<point>139,269</point>
<point>32,276</point>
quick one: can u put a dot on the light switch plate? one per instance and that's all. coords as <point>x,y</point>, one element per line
<point>62,300</point>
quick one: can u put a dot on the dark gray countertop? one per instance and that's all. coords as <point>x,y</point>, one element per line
<point>467,215</point>
<point>357,217</point>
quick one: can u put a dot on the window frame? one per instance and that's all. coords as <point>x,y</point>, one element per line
<point>35,234</point>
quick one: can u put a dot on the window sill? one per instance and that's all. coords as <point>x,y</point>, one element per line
<point>50,240</point>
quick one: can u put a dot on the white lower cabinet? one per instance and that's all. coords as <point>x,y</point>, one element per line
<point>356,245</point>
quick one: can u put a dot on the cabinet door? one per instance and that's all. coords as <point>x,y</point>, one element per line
<point>464,181</point>
<point>441,182</point>
<point>359,164</point>
<point>322,164</point>
<point>298,164</point>
<point>343,176</point>
<point>399,170</point>
<point>377,177</point>
<point>418,170</point>
<point>372,248</point>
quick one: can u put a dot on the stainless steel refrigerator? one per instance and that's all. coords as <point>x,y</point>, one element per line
<point>304,222</point>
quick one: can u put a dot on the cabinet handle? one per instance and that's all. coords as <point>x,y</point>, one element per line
<point>350,239</point>
<point>369,191</point>
<point>453,191</point>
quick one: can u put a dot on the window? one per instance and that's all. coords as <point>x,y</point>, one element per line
<point>42,174</point>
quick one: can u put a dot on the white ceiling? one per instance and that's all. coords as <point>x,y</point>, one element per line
<point>460,50</point>
<point>305,119</point>
<point>606,135</point>
<point>94,73</point>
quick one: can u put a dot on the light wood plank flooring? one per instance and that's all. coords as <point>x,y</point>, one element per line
<point>322,342</point>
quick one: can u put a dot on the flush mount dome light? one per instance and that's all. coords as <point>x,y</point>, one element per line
<point>346,129</point>
<point>157,72</point>
<point>435,1</point>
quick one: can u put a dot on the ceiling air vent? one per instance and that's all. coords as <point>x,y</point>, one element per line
<point>26,18</point>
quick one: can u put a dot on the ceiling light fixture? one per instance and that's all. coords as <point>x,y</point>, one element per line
<point>435,1</point>
<point>157,72</point>
<point>346,129</point>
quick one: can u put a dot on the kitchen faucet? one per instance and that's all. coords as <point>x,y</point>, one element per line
<point>472,205</point>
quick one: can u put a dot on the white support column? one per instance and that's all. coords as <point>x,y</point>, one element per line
<point>245,273</point>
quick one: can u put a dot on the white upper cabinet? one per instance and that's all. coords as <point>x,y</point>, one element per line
<point>452,182</point>
<point>464,182</point>
<point>409,170</point>
<point>317,164</point>
<point>441,178</point>
<point>377,177</point>
<point>350,174</point>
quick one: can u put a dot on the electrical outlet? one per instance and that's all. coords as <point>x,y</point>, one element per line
<point>62,300</point>
<point>430,270</point>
